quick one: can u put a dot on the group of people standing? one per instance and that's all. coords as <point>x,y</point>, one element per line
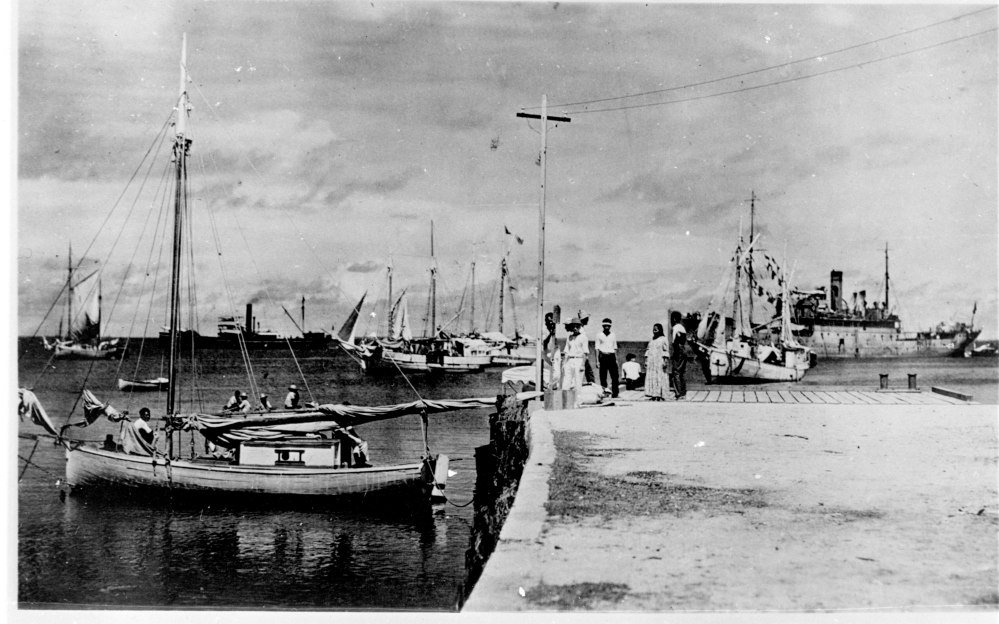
<point>666,359</point>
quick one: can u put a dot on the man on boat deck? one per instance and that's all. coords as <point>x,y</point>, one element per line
<point>233,404</point>
<point>141,426</point>
<point>292,400</point>
<point>244,403</point>
<point>265,404</point>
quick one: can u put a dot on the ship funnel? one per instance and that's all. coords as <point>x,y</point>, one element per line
<point>835,289</point>
<point>853,303</point>
<point>862,302</point>
<point>248,328</point>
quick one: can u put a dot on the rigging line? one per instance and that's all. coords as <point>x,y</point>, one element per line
<point>106,219</point>
<point>117,239</point>
<point>786,80</point>
<point>159,193</point>
<point>780,66</point>
<point>287,217</point>
<point>240,340</point>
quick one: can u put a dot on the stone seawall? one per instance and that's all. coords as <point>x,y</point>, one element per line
<point>498,466</point>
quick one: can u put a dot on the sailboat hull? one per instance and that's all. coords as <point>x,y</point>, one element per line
<point>72,351</point>
<point>733,364</point>
<point>92,468</point>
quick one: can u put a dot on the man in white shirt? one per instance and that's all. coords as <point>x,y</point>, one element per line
<point>573,357</point>
<point>632,372</point>
<point>606,345</point>
<point>292,401</point>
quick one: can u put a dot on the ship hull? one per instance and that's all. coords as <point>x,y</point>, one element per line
<point>862,340</point>
<point>733,364</point>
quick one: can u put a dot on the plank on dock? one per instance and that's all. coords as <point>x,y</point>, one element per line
<point>749,396</point>
<point>800,396</point>
<point>862,397</point>
<point>763,396</point>
<point>712,396</point>
<point>827,397</point>
<point>786,396</point>
<point>698,396</point>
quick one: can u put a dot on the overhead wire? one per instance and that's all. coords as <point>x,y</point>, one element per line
<point>768,68</point>
<point>785,80</point>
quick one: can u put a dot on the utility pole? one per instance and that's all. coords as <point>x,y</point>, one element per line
<point>544,117</point>
<point>749,260</point>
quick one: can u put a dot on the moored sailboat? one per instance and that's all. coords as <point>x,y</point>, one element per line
<point>736,348</point>
<point>311,451</point>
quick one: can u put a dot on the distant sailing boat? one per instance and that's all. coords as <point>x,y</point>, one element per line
<point>310,451</point>
<point>83,336</point>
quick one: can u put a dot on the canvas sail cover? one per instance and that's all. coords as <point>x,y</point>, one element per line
<point>29,405</point>
<point>228,431</point>
<point>346,333</point>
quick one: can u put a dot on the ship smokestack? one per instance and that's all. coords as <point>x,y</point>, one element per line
<point>835,289</point>
<point>249,318</point>
<point>853,303</point>
<point>863,301</point>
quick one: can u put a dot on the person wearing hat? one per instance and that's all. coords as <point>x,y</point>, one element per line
<point>574,356</point>
<point>292,399</point>
<point>233,404</point>
<point>678,357</point>
<point>244,403</point>
<point>606,345</point>
<point>265,404</point>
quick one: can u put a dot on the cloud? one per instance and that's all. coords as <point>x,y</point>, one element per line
<point>366,267</point>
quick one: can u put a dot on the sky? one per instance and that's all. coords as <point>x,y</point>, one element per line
<point>328,136</point>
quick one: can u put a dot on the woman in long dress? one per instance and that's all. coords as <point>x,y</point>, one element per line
<point>657,365</point>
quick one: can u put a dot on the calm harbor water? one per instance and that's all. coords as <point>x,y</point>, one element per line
<point>129,553</point>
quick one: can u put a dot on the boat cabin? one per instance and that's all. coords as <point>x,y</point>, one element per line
<point>295,452</point>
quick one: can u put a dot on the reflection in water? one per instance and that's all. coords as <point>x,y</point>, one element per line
<point>143,553</point>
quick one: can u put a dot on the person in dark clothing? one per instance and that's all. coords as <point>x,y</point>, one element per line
<point>678,356</point>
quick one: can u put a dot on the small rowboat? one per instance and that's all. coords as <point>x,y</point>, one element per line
<point>142,385</point>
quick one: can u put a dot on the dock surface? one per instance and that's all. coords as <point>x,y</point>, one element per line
<point>796,501</point>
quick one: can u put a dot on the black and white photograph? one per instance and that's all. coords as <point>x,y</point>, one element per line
<point>469,308</point>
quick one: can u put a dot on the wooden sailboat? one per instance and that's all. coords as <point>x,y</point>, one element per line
<point>307,452</point>
<point>736,348</point>
<point>82,340</point>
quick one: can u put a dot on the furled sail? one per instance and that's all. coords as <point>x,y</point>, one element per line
<point>400,320</point>
<point>29,405</point>
<point>228,431</point>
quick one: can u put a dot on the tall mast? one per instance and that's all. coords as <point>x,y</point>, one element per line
<point>886,279</point>
<point>100,307</point>
<point>181,146</point>
<point>303,315</point>
<point>433,284</point>
<point>391,303</point>
<point>471,322</point>
<point>69,302</point>
<point>502,289</point>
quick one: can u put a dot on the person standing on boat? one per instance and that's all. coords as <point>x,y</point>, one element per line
<point>606,346</point>
<point>678,357</point>
<point>292,400</point>
<point>657,365</point>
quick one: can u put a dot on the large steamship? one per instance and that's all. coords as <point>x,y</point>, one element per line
<point>835,328</point>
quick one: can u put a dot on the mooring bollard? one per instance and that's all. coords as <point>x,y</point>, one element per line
<point>912,381</point>
<point>884,381</point>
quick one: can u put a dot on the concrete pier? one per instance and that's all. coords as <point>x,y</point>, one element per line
<point>825,501</point>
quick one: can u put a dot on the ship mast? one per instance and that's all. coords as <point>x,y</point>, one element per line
<point>69,302</point>
<point>181,146</point>
<point>391,304</point>
<point>502,286</point>
<point>886,279</point>
<point>433,285</point>
<point>471,322</point>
